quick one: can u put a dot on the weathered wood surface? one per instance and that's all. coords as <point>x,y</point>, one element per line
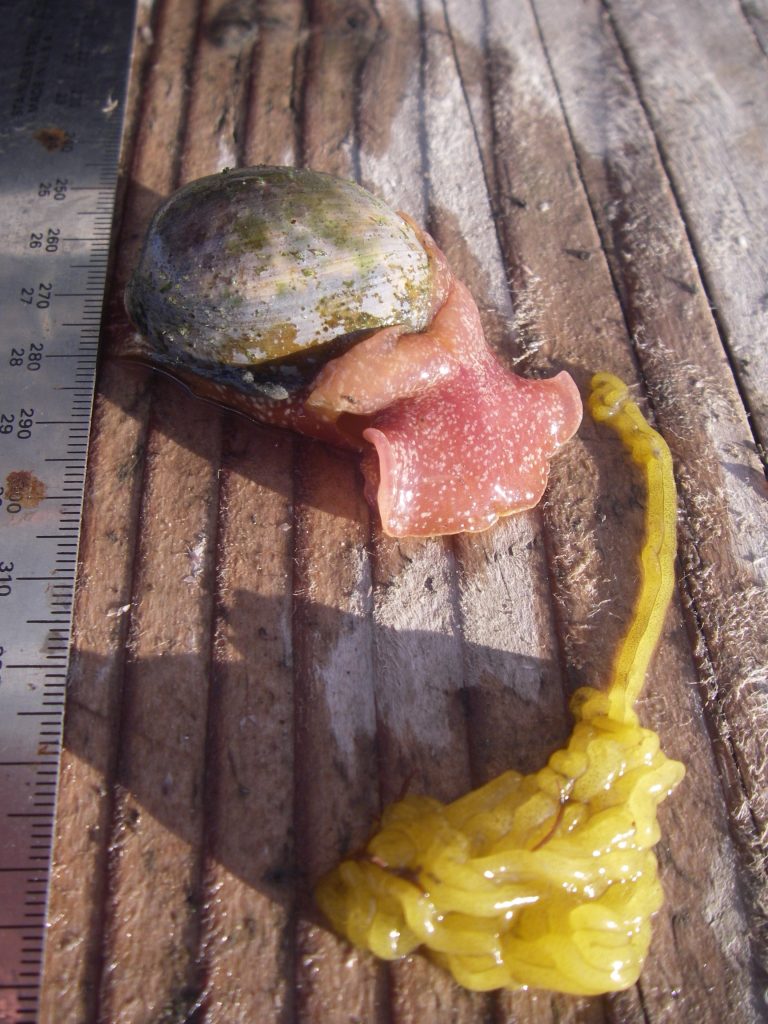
<point>256,669</point>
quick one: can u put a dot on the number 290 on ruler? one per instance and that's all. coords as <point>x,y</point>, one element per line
<point>63,70</point>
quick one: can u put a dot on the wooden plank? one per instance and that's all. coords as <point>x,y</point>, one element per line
<point>710,112</point>
<point>324,669</point>
<point>335,787</point>
<point>562,316</point>
<point>680,353</point>
<point>555,222</point>
<point>250,873</point>
<point>250,864</point>
<point>419,669</point>
<point>158,831</point>
<point>157,828</point>
<point>508,655</point>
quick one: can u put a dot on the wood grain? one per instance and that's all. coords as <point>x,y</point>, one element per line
<point>257,670</point>
<point>710,115</point>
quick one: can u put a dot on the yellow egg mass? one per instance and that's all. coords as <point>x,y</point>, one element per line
<point>545,880</point>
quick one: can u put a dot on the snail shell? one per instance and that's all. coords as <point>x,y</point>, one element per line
<point>249,266</point>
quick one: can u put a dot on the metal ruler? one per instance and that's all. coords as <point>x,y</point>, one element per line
<point>63,70</point>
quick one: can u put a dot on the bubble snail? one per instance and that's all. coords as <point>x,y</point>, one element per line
<point>545,880</point>
<point>305,302</point>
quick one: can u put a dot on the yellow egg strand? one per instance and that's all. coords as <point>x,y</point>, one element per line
<point>545,880</point>
<point>609,403</point>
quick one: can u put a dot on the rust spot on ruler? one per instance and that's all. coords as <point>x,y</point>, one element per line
<point>25,488</point>
<point>53,139</point>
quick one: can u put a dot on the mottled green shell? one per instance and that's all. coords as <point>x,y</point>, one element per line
<point>256,264</point>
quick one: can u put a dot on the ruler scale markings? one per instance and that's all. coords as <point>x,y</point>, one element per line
<point>57,189</point>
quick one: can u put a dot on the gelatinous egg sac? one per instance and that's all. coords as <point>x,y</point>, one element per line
<point>304,301</point>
